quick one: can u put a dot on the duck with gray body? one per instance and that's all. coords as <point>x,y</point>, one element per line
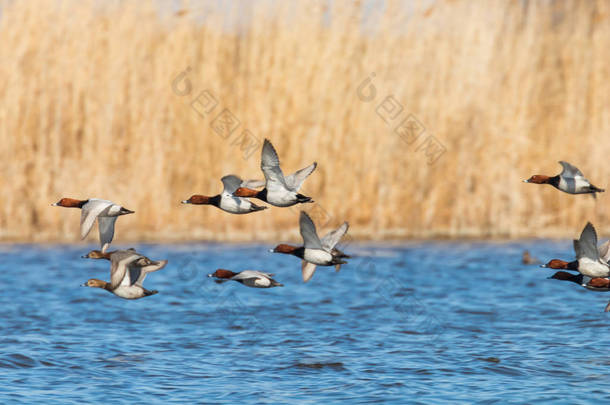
<point>570,180</point>
<point>316,251</point>
<point>106,212</point>
<point>226,201</point>
<point>590,263</point>
<point>280,190</point>
<point>249,278</point>
<point>128,269</point>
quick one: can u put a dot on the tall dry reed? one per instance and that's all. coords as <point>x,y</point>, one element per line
<point>93,105</point>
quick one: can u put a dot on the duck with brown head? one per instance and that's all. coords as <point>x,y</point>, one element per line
<point>558,264</point>
<point>280,190</point>
<point>316,251</point>
<point>570,180</point>
<point>128,269</point>
<point>106,213</point>
<point>226,201</point>
<point>600,284</point>
<point>97,254</point>
<point>250,278</point>
<point>589,255</point>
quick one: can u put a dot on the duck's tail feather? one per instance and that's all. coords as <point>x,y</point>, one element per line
<point>594,190</point>
<point>597,189</point>
<point>255,208</point>
<point>338,253</point>
<point>304,199</point>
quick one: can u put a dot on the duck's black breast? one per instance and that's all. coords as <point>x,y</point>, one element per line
<point>554,181</point>
<point>299,252</point>
<point>262,195</point>
<point>215,201</point>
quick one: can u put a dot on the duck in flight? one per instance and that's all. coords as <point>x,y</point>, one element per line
<point>250,278</point>
<point>280,190</point>
<point>128,269</point>
<point>570,180</point>
<point>593,284</point>
<point>316,251</point>
<point>558,264</point>
<point>591,261</point>
<point>226,201</point>
<point>106,213</point>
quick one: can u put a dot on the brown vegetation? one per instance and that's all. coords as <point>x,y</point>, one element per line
<point>92,106</point>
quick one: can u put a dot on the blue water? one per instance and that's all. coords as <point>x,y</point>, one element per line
<point>427,323</point>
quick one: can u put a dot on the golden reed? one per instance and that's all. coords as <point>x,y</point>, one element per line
<point>424,121</point>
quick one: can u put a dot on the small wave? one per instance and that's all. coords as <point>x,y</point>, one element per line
<point>317,365</point>
<point>17,360</point>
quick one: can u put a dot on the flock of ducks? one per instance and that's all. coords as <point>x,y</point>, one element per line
<point>128,268</point>
<point>592,263</point>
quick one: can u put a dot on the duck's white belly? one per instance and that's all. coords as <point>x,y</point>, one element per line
<point>131,293</point>
<point>281,198</point>
<point>317,256</point>
<point>581,184</point>
<point>235,205</point>
<point>592,268</point>
<point>259,282</point>
<point>576,185</point>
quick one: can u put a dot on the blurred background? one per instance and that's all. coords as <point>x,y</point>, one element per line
<point>424,116</point>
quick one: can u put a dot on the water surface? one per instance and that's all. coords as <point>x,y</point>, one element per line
<point>428,323</point>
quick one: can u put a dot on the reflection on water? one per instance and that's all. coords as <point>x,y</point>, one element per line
<point>432,322</point>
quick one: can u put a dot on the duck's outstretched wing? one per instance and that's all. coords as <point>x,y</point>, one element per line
<point>140,268</point>
<point>308,232</point>
<point>231,183</point>
<point>569,171</point>
<point>106,229</point>
<point>242,275</point>
<point>89,213</point>
<point>296,179</point>
<point>270,165</point>
<point>586,246</point>
<point>604,251</point>
<point>307,270</point>
<point>330,240</point>
<point>253,183</point>
<point>119,262</point>
<point>255,278</point>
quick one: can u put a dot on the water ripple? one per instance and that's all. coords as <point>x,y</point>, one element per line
<point>406,329</point>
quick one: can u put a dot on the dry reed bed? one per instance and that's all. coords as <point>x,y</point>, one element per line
<point>89,108</point>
